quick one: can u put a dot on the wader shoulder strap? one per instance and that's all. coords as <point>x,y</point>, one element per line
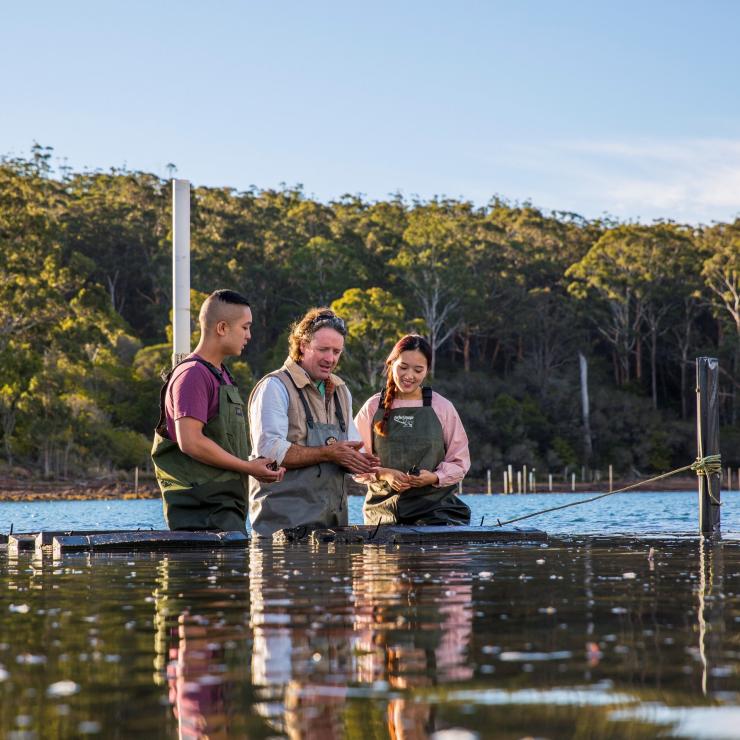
<point>161,427</point>
<point>426,395</point>
<point>304,402</point>
<point>339,412</point>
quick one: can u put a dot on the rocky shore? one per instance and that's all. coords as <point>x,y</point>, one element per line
<point>87,490</point>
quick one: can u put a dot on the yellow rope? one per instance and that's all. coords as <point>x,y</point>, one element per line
<point>709,465</point>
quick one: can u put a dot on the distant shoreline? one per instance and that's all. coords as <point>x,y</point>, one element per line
<point>29,490</point>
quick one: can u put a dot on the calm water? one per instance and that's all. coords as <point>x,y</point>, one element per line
<point>648,512</point>
<point>587,636</point>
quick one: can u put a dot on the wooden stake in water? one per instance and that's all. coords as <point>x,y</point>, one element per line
<point>707,441</point>
<point>519,481</point>
<point>136,479</point>
<point>488,482</point>
<point>549,482</point>
<point>611,478</point>
<point>506,482</point>
<point>572,481</point>
<point>511,479</point>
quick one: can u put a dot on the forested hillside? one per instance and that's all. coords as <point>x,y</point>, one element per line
<point>508,295</point>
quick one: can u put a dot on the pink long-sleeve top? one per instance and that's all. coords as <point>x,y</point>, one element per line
<point>457,457</point>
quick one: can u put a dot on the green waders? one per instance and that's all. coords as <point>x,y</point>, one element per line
<point>414,439</point>
<point>199,496</point>
<point>314,496</point>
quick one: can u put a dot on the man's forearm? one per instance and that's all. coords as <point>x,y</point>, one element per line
<point>207,451</point>
<point>299,456</point>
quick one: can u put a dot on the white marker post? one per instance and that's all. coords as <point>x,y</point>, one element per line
<point>180,270</point>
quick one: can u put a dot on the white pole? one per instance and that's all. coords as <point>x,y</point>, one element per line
<point>136,479</point>
<point>180,269</point>
<point>459,488</point>
<point>611,478</point>
<point>488,481</point>
<point>549,482</point>
<point>518,481</point>
<point>524,478</point>
<point>572,481</point>
<point>506,482</point>
<point>511,479</point>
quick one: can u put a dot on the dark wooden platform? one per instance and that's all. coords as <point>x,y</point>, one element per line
<point>147,541</point>
<point>57,543</point>
<point>394,534</point>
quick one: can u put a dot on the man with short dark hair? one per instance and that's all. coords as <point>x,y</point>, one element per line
<point>200,445</point>
<point>301,416</point>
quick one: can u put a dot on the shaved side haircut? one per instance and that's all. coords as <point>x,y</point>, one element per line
<point>221,305</point>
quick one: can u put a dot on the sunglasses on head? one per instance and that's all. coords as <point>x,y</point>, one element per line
<point>331,320</point>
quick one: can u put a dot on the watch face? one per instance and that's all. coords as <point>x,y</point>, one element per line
<point>330,440</point>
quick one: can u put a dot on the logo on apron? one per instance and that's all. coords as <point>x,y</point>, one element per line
<point>405,421</point>
<point>329,441</point>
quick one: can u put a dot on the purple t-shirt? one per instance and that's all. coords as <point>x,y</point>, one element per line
<point>193,391</point>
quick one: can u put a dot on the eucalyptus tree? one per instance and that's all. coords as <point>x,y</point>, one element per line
<point>375,321</point>
<point>721,273</point>
<point>431,262</point>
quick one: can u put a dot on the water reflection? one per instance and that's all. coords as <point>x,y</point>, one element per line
<point>586,637</point>
<point>199,623</point>
<point>710,611</point>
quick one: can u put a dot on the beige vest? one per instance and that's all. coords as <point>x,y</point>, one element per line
<point>322,407</point>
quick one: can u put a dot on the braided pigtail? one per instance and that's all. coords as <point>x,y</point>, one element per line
<point>381,427</point>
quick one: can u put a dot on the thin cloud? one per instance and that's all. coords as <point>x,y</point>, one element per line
<point>696,180</point>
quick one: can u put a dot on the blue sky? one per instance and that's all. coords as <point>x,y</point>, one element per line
<point>629,108</point>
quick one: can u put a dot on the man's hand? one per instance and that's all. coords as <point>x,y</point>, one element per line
<point>347,455</point>
<point>260,469</point>
<point>425,478</point>
<point>397,480</point>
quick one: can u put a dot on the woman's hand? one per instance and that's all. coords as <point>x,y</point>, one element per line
<point>425,478</point>
<point>397,480</point>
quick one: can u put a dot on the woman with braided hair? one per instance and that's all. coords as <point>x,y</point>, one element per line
<point>421,443</point>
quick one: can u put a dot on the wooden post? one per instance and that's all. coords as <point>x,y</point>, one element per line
<point>506,482</point>
<point>488,481</point>
<point>136,479</point>
<point>707,441</point>
<point>572,481</point>
<point>611,478</point>
<point>511,479</point>
<point>518,481</point>
<point>549,481</point>
<point>524,479</point>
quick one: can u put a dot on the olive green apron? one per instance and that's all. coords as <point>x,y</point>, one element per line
<point>414,439</point>
<point>314,496</point>
<point>195,495</point>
